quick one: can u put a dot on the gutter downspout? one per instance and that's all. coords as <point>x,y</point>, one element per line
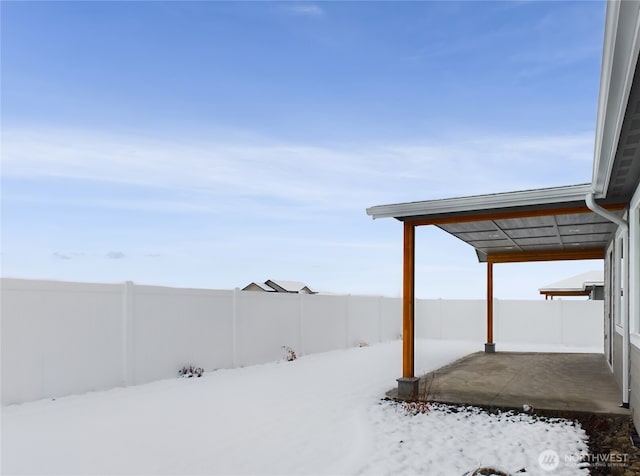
<point>598,210</point>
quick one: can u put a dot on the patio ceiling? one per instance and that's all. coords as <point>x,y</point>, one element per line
<point>567,233</point>
<point>532,225</point>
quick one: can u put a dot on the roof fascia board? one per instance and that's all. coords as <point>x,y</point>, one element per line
<point>508,214</point>
<point>545,196</point>
<point>619,57</point>
<point>610,31</point>
<point>564,293</point>
<point>276,287</point>
<point>553,255</point>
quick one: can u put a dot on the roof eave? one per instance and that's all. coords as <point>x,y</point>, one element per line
<point>545,196</point>
<point>619,57</point>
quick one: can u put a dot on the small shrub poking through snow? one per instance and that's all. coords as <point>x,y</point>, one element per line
<point>189,371</point>
<point>289,354</point>
<point>413,408</point>
<point>488,472</point>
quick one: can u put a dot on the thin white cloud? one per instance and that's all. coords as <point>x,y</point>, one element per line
<point>218,177</point>
<point>541,62</point>
<point>115,255</point>
<point>306,9</point>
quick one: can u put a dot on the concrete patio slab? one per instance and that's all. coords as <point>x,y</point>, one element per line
<point>554,382</point>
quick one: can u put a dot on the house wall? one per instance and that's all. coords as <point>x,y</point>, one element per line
<point>626,299</point>
<point>613,272</point>
<point>608,315</point>
<point>634,306</point>
<point>611,306</point>
<point>64,338</point>
<point>597,293</point>
<point>634,383</point>
<point>617,359</point>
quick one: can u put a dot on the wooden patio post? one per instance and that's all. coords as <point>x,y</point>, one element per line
<point>408,295</point>
<point>408,384</point>
<point>490,346</point>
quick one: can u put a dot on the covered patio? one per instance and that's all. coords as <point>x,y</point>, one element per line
<point>560,223</point>
<point>552,383</point>
<point>599,220</point>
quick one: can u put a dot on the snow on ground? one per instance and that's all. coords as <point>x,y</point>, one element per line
<point>449,440</point>
<point>320,414</point>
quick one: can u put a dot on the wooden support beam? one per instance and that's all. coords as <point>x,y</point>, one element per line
<point>408,301</point>
<point>489,303</point>
<point>551,255</point>
<point>548,294</point>
<point>505,215</point>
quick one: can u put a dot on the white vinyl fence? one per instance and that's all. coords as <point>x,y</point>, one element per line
<point>60,338</point>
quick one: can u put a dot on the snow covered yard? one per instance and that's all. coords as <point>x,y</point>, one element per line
<point>320,414</point>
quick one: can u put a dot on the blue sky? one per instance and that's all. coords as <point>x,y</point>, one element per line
<point>211,144</point>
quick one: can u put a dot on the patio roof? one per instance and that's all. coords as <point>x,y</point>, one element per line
<point>531,225</point>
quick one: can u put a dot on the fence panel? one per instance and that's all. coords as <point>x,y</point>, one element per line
<point>529,322</point>
<point>325,322</point>
<point>177,327</point>
<point>463,320</point>
<point>428,318</point>
<point>582,323</point>
<point>265,322</point>
<point>364,320</point>
<point>59,338</point>
<point>63,338</point>
<point>391,319</point>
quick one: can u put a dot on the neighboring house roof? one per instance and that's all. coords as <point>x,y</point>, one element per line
<point>272,285</point>
<point>579,283</point>
<point>258,287</point>
<point>289,286</point>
